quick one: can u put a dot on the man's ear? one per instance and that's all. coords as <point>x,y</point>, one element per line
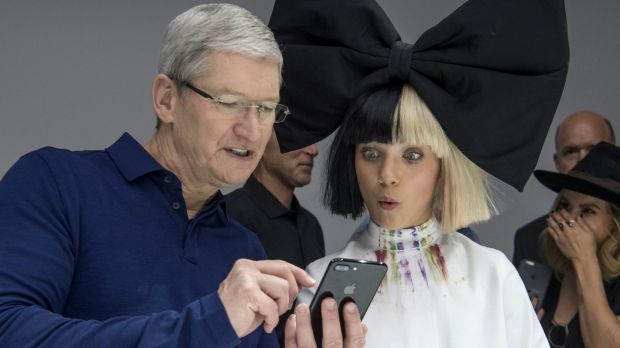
<point>165,98</point>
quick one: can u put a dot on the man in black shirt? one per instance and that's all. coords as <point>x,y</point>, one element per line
<point>574,138</point>
<point>267,205</point>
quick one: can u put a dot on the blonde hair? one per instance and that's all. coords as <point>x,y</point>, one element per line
<point>462,194</point>
<point>608,252</point>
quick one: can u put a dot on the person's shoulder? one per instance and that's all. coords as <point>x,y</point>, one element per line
<point>71,158</point>
<point>53,158</point>
<point>244,210</point>
<point>469,233</point>
<point>533,227</point>
<point>482,254</point>
<point>237,194</point>
<point>308,214</point>
<point>48,153</point>
<point>239,201</point>
<point>526,241</point>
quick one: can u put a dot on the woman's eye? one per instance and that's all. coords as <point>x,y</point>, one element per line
<point>564,206</point>
<point>370,154</point>
<point>412,156</point>
<point>587,211</point>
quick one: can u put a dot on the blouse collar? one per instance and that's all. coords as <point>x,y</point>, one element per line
<point>416,237</point>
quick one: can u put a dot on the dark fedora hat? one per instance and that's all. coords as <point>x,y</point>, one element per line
<point>597,175</point>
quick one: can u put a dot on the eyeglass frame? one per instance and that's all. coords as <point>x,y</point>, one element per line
<point>260,108</point>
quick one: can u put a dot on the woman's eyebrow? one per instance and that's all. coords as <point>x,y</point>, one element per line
<point>590,205</point>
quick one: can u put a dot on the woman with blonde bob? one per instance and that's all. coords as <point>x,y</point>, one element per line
<point>582,246</point>
<point>371,118</point>
<point>441,290</point>
<point>418,127</point>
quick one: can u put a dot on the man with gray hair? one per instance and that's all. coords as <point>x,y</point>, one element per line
<point>132,245</point>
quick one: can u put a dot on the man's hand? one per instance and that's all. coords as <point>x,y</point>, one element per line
<point>298,332</point>
<point>257,291</point>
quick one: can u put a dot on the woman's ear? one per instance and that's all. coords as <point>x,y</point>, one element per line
<point>165,98</point>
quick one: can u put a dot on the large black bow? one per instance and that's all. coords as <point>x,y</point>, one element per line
<point>492,72</point>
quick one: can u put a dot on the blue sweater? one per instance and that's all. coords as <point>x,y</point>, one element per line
<point>96,250</point>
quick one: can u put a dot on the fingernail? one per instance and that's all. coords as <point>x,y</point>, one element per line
<point>292,318</point>
<point>331,304</point>
<point>351,308</point>
<point>311,280</point>
<point>303,309</point>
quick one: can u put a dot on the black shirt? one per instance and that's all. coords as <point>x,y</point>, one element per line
<point>293,235</point>
<point>526,243</point>
<point>574,339</point>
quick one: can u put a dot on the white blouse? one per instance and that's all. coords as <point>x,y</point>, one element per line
<point>441,290</point>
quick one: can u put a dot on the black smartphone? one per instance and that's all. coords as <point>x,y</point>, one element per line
<point>346,280</point>
<point>536,277</point>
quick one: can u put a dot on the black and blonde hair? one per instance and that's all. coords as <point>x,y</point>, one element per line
<point>395,114</point>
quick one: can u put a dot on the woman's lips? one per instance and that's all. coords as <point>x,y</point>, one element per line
<point>387,203</point>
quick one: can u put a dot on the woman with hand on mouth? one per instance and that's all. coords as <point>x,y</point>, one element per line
<point>582,246</point>
<point>418,124</point>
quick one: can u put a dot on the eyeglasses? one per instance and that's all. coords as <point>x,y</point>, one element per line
<point>240,107</point>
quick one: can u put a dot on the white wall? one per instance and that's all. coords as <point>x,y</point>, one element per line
<point>76,74</point>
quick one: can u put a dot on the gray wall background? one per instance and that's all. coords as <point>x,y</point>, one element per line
<point>76,74</point>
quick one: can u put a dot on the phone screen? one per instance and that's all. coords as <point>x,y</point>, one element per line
<point>346,280</point>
